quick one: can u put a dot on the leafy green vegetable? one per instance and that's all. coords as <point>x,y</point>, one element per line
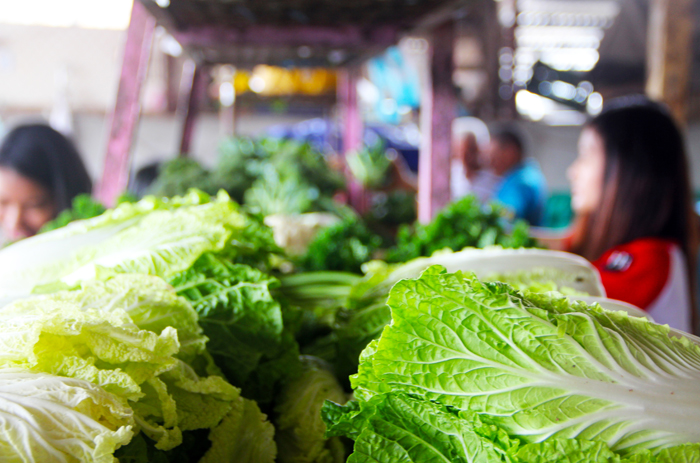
<point>538,367</point>
<point>153,236</point>
<point>236,311</point>
<point>343,247</point>
<point>272,195</point>
<point>83,207</point>
<point>540,280</point>
<point>104,347</point>
<point>179,175</point>
<point>52,418</point>
<point>369,166</point>
<point>242,161</point>
<point>398,427</point>
<point>300,430</point>
<point>150,303</point>
<point>463,223</point>
<point>364,312</point>
<point>243,436</point>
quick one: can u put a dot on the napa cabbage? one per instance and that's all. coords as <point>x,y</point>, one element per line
<point>51,418</point>
<point>300,430</point>
<point>155,236</point>
<point>555,376</point>
<point>59,337</point>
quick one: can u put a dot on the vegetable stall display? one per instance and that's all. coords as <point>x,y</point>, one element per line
<point>164,331</point>
<point>165,307</point>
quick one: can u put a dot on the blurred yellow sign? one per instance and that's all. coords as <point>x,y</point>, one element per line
<point>277,81</point>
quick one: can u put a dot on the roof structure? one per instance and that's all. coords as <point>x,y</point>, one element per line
<point>294,33</point>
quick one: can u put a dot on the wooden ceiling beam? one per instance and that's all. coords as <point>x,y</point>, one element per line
<point>287,37</point>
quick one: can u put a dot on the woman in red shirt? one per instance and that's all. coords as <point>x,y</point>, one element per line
<point>632,198</point>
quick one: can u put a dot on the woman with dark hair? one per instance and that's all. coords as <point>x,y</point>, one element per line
<point>40,174</point>
<point>632,197</point>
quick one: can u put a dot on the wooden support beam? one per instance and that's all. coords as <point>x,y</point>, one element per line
<point>288,36</point>
<point>669,54</point>
<point>352,130</point>
<point>193,86</point>
<point>139,39</point>
<point>437,113</point>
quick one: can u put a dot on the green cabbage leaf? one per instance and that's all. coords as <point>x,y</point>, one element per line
<point>105,348</point>
<point>243,436</point>
<point>154,236</point>
<point>300,430</point>
<point>238,314</point>
<point>150,303</point>
<point>539,368</point>
<point>398,427</point>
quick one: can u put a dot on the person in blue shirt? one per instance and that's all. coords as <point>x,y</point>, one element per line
<point>523,189</point>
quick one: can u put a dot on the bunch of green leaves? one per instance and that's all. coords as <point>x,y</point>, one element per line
<point>272,194</point>
<point>343,247</point>
<point>239,164</point>
<point>370,166</point>
<point>304,162</point>
<point>168,349</point>
<point>123,336</point>
<point>494,375</point>
<point>240,317</point>
<point>463,223</point>
<point>84,206</point>
<point>178,175</point>
<point>156,236</point>
<point>242,161</point>
<point>54,418</point>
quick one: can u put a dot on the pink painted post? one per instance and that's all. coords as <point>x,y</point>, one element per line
<point>192,91</point>
<point>137,50</point>
<point>352,130</point>
<point>437,114</point>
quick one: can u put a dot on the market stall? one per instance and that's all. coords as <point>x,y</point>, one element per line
<point>179,328</point>
<point>299,34</point>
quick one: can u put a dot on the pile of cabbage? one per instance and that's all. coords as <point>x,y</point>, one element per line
<point>162,331</point>
<point>151,333</point>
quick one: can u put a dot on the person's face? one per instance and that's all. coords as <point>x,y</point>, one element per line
<point>587,173</point>
<point>25,206</point>
<point>501,157</point>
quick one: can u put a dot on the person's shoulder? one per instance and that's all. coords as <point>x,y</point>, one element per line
<point>637,271</point>
<point>647,246</point>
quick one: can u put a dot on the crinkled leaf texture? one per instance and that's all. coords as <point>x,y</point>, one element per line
<point>156,236</point>
<point>150,302</point>
<point>301,432</point>
<point>243,436</point>
<point>237,312</point>
<point>107,349</point>
<point>51,418</point>
<point>538,367</point>
<point>396,427</point>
